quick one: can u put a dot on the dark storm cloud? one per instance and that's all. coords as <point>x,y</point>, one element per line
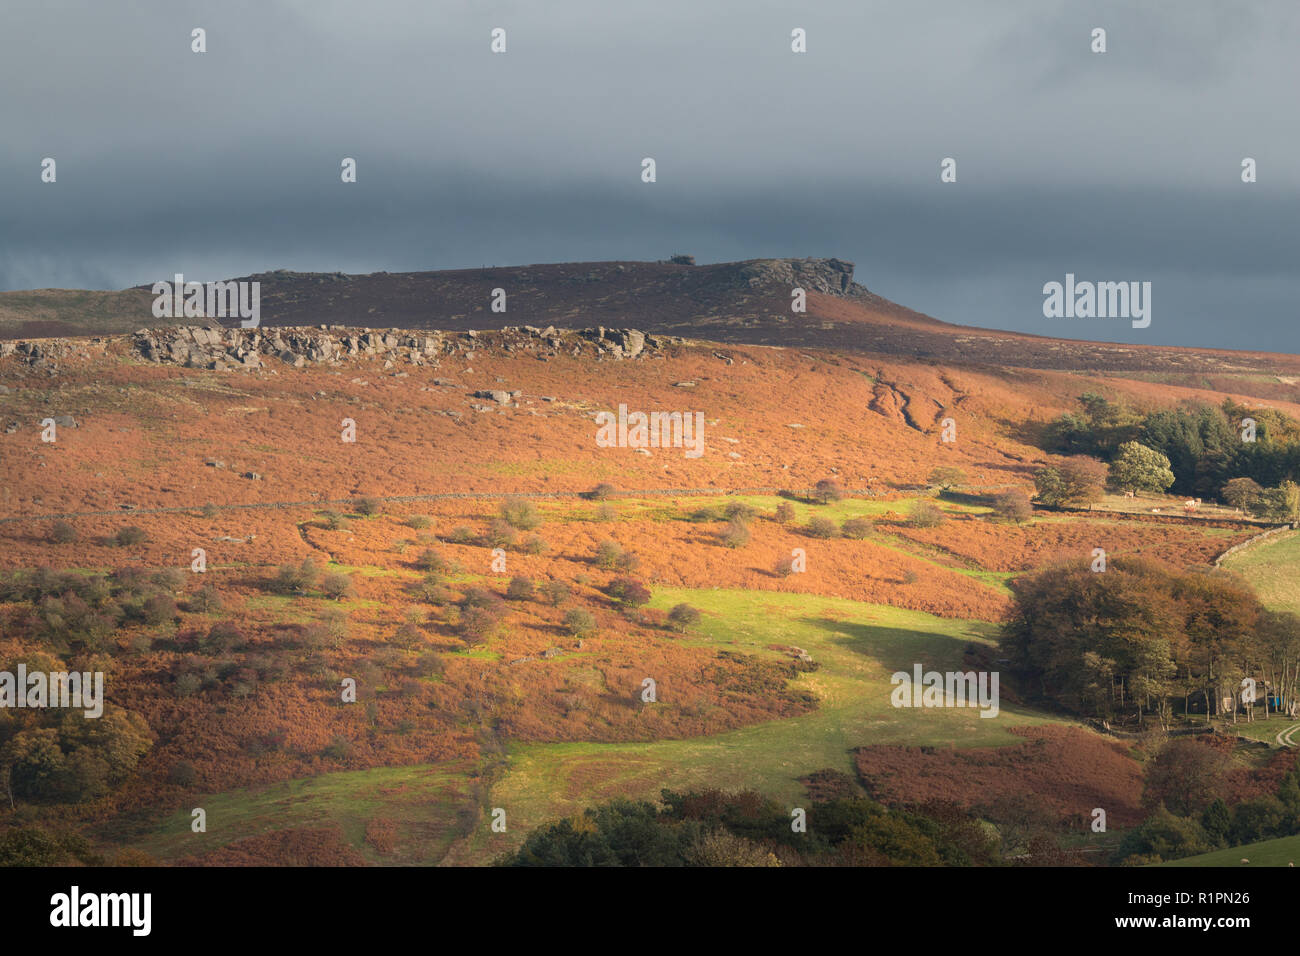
<point>1113,167</point>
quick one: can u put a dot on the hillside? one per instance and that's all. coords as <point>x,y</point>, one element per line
<point>745,302</point>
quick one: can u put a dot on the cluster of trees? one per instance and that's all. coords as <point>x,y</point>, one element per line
<point>81,612</point>
<point>1188,788</point>
<point>1141,639</point>
<point>54,755</point>
<point>713,828</point>
<point>1203,446</point>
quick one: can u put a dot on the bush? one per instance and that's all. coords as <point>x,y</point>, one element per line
<point>683,617</point>
<point>333,521</point>
<point>629,591</point>
<point>368,506</point>
<point>556,592</point>
<point>499,534</point>
<point>431,562</point>
<point>171,580</point>
<point>205,601</point>
<point>187,685</point>
<point>858,528</point>
<point>925,514</point>
<point>705,514</point>
<point>418,522</point>
<point>159,608</point>
<point>947,477</point>
<point>1242,492</point>
<point>477,624</point>
<point>1013,505</point>
<point>337,586</point>
<point>601,491</point>
<point>295,580</point>
<point>432,591</point>
<point>520,588</point>
<point>609,554</point>
<point>736,534</point>
<point>130,536</point>
<point>460,535</point>
<point>183,774</point>
<point>738,511</point>
<point>209,510</point>
<point>819,527</point>
<point>534,545</point>
<point>827,490</point>
<point>520,513</point>
<point>579,623</point>
<point>606,512</point>
<point>784,567</point>
<point>222,638</point>
<point>62,533</point>
<point>784,513</point>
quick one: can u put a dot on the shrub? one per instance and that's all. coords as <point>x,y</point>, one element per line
<point>784,513</point>
<point>222,638</point>
<point>340,748</point>
<point>925,514</point>
<point>1242,492</point>
<point>784,567</point>
<point>183,774</point>
<point>701,515</point>
<point>608,554</point>
<point>460,535</point>
<point>520,588</point>
<point>738,511</point>
<point>477,624</point>
<point>534,545</point>
<point>159,608</point>
<point>205,601</point>
<point>736,534</point>
<point>499,534</point>
<point>209,510</point>
<point>337,586</point>
<point>520,513</point>
<point>947,477</point>
<point>629,591</point>
<point>1013,505</point>
<point>130,536</point>
<point>556,592</point>
<point>171,580</point>
<point>368,506</point>
<point>187,685</point>
<point>334,521</point>
<point>295,580</point>
<point>606,512</point>
<point>819,527</point>
<point>683,617</point>
<point>601,491</point>
<point>858,528</point>
<point>579,623</point>
<point>827,490</point>
<point>62,533</point>
<point>432,591</point>
<point>418,522</point>
<point>431,562</point>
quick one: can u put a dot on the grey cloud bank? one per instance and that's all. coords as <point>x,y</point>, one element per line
<point>1117,166</point>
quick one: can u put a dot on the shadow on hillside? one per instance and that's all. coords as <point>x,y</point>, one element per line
<point>896,648</point>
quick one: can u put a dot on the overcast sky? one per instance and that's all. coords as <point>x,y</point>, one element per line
<point>1117,166</point>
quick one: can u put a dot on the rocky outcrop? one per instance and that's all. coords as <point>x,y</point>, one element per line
<point>195,347</point>
<point>831,276</point>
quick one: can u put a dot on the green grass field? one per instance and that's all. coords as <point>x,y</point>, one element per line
<point>858,646</point>
<point>421,800</point>
<point>1273,570</point>
<point>1278,852</point>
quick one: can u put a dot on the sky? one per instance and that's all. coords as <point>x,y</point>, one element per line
<point>1115,166</point>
